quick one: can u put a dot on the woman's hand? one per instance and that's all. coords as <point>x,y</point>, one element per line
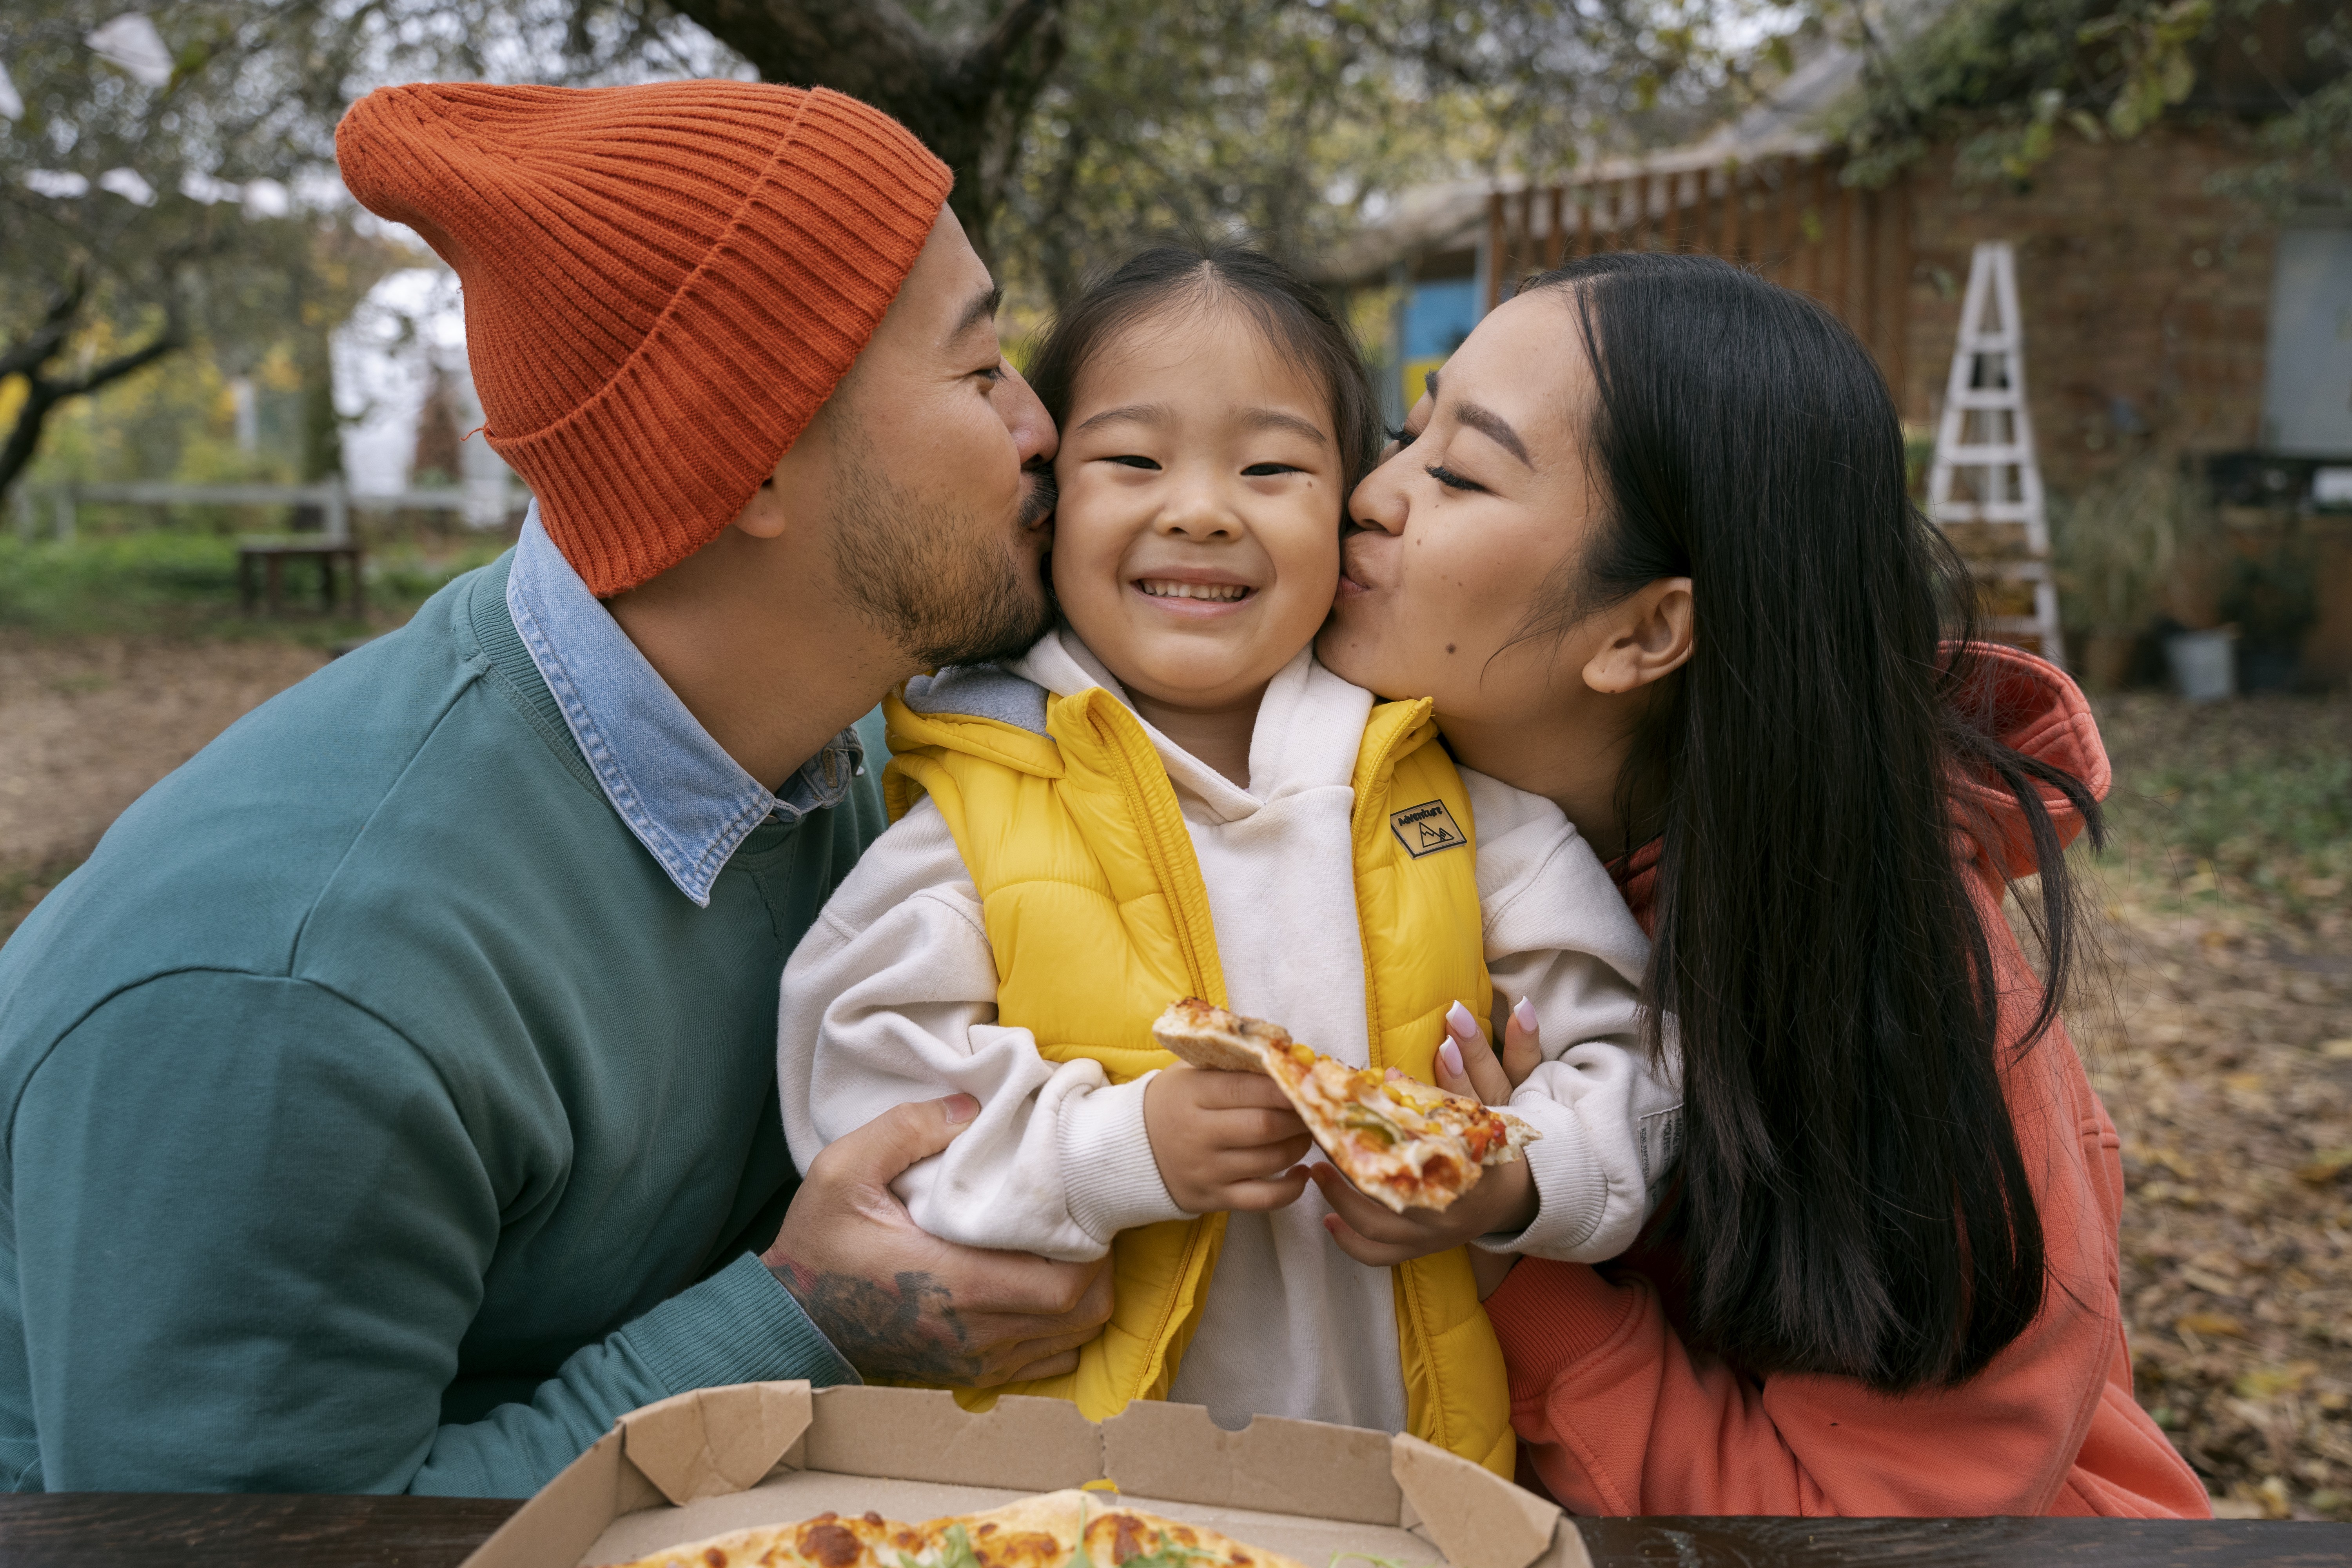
<point>1504,1200</point>
<point>1224,1141</point>
<point>1467,1063</point>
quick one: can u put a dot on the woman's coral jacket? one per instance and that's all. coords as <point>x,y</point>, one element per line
<point>1618,1416</point>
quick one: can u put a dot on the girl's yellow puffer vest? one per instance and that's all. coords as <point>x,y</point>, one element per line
<point>1095,906</point>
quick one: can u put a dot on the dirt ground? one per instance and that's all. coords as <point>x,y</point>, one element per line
<point>86,726</point>
<point>2218,1026</point>
<point>2220,1034</point>
<point>2225,1057</point>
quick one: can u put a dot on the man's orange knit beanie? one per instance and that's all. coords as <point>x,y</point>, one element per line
<point>662,283</point>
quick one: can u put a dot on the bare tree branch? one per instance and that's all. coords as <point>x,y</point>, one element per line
<point>968,103</point>
<point>41,344</point>
<point>42,395</point>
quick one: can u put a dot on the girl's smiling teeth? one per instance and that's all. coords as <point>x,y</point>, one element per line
<point>1165,588</point>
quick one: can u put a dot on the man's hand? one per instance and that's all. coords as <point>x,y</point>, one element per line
<point>899,1302</point>
<point>1224,1140</point>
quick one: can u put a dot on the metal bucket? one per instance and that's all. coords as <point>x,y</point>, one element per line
<point>2204,665</point>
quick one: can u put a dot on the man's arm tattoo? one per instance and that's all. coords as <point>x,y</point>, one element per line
<point>907,1329</point>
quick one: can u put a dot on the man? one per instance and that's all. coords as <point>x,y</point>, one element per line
<point>390,1102</point>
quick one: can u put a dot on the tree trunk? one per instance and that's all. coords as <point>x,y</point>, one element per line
<point>30,357</point>
<point>42,395</point>
<point>967,99</point>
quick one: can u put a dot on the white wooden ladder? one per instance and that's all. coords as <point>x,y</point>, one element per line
<point>1984,486</point>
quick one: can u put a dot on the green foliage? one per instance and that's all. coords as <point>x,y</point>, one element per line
<point>2117,543</point>
<point>2005,79</point>
<point>2154,48</point>
<point>1291,123</point>
<point>2273,596</point>
<point>2249,801</point>
<point>147,204</point>
<point>181,583</point>
<point>150,581</point>
<point>2307,152</point>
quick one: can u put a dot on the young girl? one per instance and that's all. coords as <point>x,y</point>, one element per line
<point>1169,796</point>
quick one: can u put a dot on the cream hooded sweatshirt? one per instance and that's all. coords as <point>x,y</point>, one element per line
<point>891,996</point>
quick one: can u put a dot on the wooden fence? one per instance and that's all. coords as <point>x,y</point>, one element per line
<point>1788,217</point>
<point>334,501</point>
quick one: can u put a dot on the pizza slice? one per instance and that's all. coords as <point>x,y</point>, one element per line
<point>828,1540</point>
<point>1406,1144</point>
<point>1056,1530</point>
<point>1087,1530</point>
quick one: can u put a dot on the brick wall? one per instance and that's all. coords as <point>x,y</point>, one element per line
<point>2136,284</point>
<point>2146,299</point>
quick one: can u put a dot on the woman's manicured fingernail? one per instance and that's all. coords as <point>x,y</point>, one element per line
<point>1523,1012</point>
<point>1451,1055</point>
<point>1460,1023</point>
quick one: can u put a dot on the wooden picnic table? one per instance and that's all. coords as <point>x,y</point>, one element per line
<point>270,555</point>
<point>203,1532</point>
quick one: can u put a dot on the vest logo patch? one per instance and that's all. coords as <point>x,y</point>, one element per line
<point>1426,828</point>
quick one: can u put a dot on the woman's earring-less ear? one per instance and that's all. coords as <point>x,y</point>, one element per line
<point>1648,638</point>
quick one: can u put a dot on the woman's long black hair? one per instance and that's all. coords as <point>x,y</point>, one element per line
<point>1853,1198</point>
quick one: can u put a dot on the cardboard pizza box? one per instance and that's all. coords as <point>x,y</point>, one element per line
<point>771,1453</point>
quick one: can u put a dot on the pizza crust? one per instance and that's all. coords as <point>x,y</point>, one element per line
<point>1206,1036</point>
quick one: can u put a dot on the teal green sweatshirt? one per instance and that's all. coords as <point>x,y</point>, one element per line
<point>378,1115</point>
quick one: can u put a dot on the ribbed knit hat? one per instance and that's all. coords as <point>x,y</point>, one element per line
<point>662,283</point>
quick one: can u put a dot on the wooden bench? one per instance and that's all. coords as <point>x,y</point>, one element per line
<point>271,556</point>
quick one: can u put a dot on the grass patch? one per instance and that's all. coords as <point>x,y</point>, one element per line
<point>179,583</point>
<point>2247,802</point>
<point>23,885</point>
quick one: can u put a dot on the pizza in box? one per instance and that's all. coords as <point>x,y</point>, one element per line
<point>1057,1530</point>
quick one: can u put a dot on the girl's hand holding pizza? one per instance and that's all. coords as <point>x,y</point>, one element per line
<point>1224,1140</point>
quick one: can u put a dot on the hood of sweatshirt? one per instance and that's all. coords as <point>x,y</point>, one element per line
<point>1310,726</point>
<point>2037,710</point>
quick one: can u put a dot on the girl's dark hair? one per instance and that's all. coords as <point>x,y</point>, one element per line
<point>1853,1198</point>
<point>1292,313</point>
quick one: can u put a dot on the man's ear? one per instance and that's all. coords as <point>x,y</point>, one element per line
<point>1646,637</point>
<point>763,516</point>
<point>803,472</point>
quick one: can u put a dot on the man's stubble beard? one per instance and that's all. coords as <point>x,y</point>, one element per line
<point>932,577</point>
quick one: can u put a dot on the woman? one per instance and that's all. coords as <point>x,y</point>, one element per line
<point>1648,546</point>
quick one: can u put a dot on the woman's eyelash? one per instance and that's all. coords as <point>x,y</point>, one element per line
<point>1401,438</point>
<point>1451,480</point>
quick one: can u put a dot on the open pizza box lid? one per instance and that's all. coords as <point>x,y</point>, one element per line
<point>722,1459</point>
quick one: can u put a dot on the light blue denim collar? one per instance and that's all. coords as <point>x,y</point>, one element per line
<point>685,798</point>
